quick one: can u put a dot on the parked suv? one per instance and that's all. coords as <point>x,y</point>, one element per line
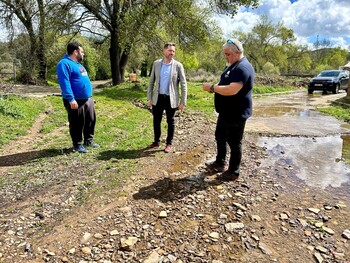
<point>329,80</point>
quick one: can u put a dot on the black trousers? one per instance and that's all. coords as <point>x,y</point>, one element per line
<point>163,103</point>
<point>81,121</point>
<point>231,133</point>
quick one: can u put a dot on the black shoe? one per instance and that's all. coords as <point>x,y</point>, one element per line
<point>92,144</point>
<point>227,176</point>
<point>216,166</point>
<point>153,145</point>
<point>80,149</point>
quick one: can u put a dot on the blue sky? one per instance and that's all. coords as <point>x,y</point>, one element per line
<point>325,19</point>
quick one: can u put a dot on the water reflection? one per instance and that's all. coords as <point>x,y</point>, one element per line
<point>284,111</point>
<point>315,160</point>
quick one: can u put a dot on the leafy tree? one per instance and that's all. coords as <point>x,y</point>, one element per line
<point>274,43</point>
<point>36,17</point>
<point>128,24</point>
<point>92,60</point>
<point>337,57</point>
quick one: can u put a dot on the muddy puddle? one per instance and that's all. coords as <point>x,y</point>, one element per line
<point>317,161</point>
<point>305,145</point>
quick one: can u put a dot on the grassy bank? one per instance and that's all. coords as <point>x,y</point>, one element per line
<point>118,117</point>
<point>339,109</point>
<point>124,126</point>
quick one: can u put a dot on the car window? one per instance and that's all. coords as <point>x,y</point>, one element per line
<point>329,74</point>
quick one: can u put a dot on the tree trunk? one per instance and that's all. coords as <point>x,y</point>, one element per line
<point>123,61</point>
<point>30,64</point>
<point>41,43</point>
<point>114,53</point>
<point>348,91</point>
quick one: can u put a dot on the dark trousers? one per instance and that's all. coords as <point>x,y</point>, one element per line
<point>163,103</point>
<point>81,121</point>
<point>231,133</point>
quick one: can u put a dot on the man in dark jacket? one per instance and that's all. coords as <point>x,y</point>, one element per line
<point>233,103</point>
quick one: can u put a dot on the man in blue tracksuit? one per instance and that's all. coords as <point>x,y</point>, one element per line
<point>77,97</point>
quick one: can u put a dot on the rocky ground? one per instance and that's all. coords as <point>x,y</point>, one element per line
<point>173,210</point>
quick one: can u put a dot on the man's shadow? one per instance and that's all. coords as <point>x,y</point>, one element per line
<point>170,189</point>
<point>26,157</point>
<point>127,154</point>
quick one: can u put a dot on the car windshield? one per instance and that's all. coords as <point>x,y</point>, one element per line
<point>329,74</point>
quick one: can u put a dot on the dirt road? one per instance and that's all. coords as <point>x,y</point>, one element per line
<point>171,209</point>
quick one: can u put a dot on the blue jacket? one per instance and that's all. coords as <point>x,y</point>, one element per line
<point>73,79</point>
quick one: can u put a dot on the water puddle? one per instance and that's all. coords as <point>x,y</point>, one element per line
<point>303,144</point>
<point>318,161</point>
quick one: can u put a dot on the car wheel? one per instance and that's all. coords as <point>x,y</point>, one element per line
<point>336,89</point>
<point>310,91</point>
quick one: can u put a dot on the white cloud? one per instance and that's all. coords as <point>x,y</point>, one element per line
<point>308,18</point>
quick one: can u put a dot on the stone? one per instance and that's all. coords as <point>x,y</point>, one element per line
<point>229,227</point>
<point>255,237</point>
<point>318,224</point>
<point>128,243</point>
<point>327,230</point>
<point>214,235</point>
<point>284,216</point>
<point>163,214</point>
<point>346,234</point>
<point>302,222</point>
<point>256,218</point>
<point>314,210</point>
<point>238,205</point>
<point>265,249</point>
<point>86,250</point>
<point>322,249</point>
<point>86,238</point>
<point>318,257</point>
<point>341,205</point>
<point>154,257</point>
<point>98,236</point>
<point>114,232</point>
<point>328,207</point>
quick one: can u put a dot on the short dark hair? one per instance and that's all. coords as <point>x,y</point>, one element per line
<point>74,45</point>
<point>169,44</point>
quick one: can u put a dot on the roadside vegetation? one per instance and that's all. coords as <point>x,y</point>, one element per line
<point>113,54</point>
<point>17,115</point>
<point>341,112</point>
<point>339,109</point>
<point>124,126</point>
<point>118,117</point>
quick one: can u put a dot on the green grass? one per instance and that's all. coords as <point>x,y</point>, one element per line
<point>122,129</point>
<point>340,112</point>
<point>130,125</point>
<point>339,109</point>
<point>271,89</point>
<point>17,116</point>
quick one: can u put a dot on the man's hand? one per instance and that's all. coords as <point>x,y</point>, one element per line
<point>74,105</point>
<point>182,106</point>
<point>149,102</point>
<point>206,87</point>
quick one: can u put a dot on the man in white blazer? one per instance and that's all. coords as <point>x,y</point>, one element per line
<point>163,94</point>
